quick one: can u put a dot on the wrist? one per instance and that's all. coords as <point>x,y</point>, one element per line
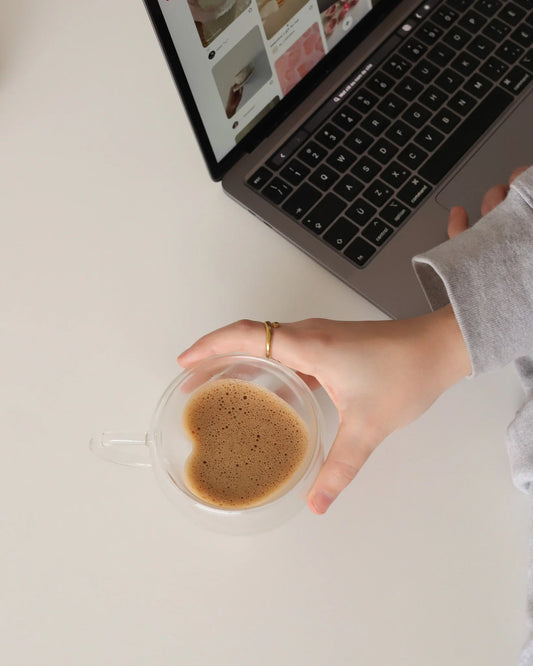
<point>447,346</point>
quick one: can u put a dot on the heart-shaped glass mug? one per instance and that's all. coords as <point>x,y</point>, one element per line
<point>167,446</point>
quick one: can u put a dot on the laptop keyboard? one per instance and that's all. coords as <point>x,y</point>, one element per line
<point>357,169</point>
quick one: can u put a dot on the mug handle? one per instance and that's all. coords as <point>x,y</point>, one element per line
<point>122,448</point>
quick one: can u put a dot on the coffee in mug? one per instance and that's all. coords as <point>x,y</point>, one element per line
<point>247,443</point>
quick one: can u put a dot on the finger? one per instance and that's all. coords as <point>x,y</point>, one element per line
<point>249,337</point>
<point>345,459</point>
<point>243,337</point>
<point>493,197</point>
<point>457,221</point>
<point>517,172</point>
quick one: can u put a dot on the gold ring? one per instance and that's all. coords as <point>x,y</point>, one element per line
<point>269,325</point>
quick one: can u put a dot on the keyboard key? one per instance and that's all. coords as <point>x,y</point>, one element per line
<point>412,156</point>
<point>457,38</point>
<point>466,135</point>
<point>360,251</point>
<point>462,103</point>
<point>414,191</point>
<point>478,85</point>
<point>510,52</point>
<point>366,169</point>
<point>341,233</point>
<point>312,154</point>
<point>392,105</point>
<point>449,80</point>
<point>380,83</point>
<point>524,36</point>
<point>441,55</point>
<point>416,115</point>
<point>408,88</point>
<point>360,212</point>
<point>445,120</point>
<point>526,4</point>
<point>363,100</point>
<point>516,80</point>
<point>304,198</point>
<point>400,133</point>
<point>383,151</point>
<point>358,140</point>
<point>347,118</point>
<point>324,177</point>
<point>348,187</point>
<point>472,21</point>
<point>341,159</point>
<point>429,33</point>
<point>329,136</point>
<point>425,71</point>
<point>481,47</point>
<point>324,213</point>
<point>488,7</point>
<point>395,174</point>
<point>395,213</point>
<point>277,190</point>
<point>497,30</point>
<point>494,68</point>
<point>465,63</point>
<point>445,16</point>
<point>377,232</point>
<point>413,49</point>
<point>260,177</point>
<point>429,138</point>
<point>375,123</point>
<point>396,66</point>
<point>433,98</point>
<point>527,61</point>
<point>511,13</point>
<point>295,172</point>
<point>378,193</point>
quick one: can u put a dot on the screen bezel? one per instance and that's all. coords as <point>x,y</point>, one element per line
<point>217,168</point>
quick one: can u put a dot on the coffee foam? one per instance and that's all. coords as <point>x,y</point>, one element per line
<point>247,443</point>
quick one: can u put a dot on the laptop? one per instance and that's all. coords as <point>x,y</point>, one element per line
<point>352,127</point>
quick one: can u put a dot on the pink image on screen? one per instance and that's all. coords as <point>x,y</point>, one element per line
<point>300,58</point>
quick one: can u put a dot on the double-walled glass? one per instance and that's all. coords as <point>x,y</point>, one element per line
<point>166,447</point>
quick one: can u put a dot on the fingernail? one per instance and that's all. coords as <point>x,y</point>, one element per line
<point>321,501</point>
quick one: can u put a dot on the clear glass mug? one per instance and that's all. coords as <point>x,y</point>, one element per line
<point>166,447</point>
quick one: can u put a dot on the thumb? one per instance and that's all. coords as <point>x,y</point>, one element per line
<point>346,457</point>
<point>457,221</point>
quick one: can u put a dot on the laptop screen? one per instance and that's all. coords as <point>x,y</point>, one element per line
<point>242,57</point>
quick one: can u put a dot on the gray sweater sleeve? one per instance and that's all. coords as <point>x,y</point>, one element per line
<point>486,273</point>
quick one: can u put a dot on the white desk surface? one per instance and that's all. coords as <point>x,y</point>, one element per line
<point>117,252</point>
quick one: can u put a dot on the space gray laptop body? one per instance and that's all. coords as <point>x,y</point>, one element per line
<point>355,149</point>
